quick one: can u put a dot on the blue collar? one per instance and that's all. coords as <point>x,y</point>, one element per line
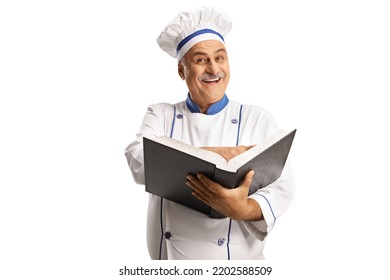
<point>212,110</point>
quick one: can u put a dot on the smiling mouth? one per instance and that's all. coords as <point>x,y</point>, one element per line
<point>209,81</point>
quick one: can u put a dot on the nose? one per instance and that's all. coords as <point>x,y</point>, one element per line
<point>212,67</point>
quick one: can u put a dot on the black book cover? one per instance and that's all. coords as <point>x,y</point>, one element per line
<point>166,169</point>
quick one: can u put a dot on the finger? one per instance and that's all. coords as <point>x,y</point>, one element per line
<point>208,183</point>
<point>201,198</point>
<point>199,193</point>
<point>247,179</point>
<point>197,186</point>
<point>193,183</point>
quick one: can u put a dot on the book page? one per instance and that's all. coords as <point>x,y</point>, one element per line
<point>234,164</point>
<point>241,159</point>
<point>191,150</point>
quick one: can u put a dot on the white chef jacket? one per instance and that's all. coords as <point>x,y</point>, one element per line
<point>178,232</point>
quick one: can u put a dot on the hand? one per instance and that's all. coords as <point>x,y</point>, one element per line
<point>233,203</point>
<point>229,152</point>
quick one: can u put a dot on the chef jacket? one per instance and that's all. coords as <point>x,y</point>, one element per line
<point>178,232</point>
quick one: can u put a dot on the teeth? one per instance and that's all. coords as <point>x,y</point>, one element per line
<point>213,80</point>
<point>207,78</point>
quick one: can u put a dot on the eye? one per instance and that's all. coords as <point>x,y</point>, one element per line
<point>220,58</point>
<point>201,60</point>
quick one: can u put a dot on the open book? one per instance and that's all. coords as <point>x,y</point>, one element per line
<point>167,162</point>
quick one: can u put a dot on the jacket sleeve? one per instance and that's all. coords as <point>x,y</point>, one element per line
<point>154,124</point>
<point>275,198</point>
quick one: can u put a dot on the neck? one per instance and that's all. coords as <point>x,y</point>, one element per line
<point>206,108</point>
<point>203,109</point>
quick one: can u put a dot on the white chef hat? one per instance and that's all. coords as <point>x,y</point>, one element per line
<point>189,28</point>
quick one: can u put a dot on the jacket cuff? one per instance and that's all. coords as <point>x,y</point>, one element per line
<point>260,229</point>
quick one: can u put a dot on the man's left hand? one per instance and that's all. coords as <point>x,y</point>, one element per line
<point>234,203</point>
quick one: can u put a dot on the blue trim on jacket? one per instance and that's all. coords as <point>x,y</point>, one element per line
<point>212,110</point>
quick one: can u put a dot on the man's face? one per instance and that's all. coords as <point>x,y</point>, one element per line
<point>206,72</point>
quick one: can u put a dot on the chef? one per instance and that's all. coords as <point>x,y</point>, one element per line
<point>208,118</point>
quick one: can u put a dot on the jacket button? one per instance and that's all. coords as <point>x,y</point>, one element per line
<point>221,241</point>
<point>167,235</point>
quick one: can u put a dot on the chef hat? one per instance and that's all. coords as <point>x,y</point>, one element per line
<point>189,28</point>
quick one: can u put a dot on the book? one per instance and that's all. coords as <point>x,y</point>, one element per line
<point>167,162</point>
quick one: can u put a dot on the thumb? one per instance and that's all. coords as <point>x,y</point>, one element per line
<point>247,179</point>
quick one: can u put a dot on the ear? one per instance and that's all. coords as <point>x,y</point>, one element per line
<point>180,70</point>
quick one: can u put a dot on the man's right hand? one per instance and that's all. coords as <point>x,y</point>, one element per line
<point>228,152</point>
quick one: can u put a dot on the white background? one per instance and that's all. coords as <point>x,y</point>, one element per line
<point>75,80</point>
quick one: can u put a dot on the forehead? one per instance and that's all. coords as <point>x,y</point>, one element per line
<point>208,47</point>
